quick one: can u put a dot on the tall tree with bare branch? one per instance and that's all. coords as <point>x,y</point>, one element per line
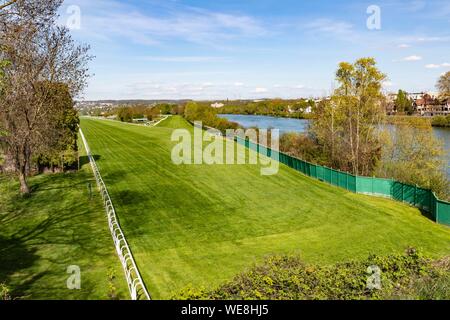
<point>37,51</point>
<point>347,125</point>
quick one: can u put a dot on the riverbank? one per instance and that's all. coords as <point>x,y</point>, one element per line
<point>416,121</point>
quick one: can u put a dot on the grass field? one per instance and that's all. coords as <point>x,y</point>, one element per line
<point>201,225</point>
<point>58,226</point>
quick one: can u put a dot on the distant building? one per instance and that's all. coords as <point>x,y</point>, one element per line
<point>415,95</point>
<point>217,105</point>
<point>429,106</point>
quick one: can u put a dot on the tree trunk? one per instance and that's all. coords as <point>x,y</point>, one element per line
<point>24,188</point>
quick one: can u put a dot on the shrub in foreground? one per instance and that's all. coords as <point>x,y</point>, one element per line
<point>408,276</point>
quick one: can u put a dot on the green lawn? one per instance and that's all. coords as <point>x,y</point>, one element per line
<point>201,225</point>
<point>58,226</point>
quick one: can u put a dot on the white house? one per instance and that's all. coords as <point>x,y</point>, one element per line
<point>217,105</point>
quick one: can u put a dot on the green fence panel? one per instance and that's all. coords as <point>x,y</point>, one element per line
<point>352,183</point>
<point>342,180</point>
<point>313,170</point>
<point>319,173</point>
<point>422,198</point>
<point>443,212</point>
<point>409,194</point>
<point>397,191</point>
<point>364,185</point>
<point>327,175</point>
<point>382,187</point>
<point>433,206</point>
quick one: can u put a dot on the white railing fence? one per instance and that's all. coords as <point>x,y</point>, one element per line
<point>135,283</point>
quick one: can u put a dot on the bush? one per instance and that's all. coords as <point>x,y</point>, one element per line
<point>304,147</point>
<point>112,289</point>
<point>208,115</point>
<point>289,278</point>
<point>4,292</point>
<point>441,121</point>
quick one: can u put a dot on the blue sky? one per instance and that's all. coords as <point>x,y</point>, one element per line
<point>236,49</point>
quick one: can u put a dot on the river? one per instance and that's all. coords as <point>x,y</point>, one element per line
<point>300,125</point>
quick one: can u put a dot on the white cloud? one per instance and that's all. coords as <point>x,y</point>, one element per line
<point>107,20</point>
<point>388,83</point>
<point>330,26</point>
<point>238,84</point>
<point>412,58</point>
<point>404,46</point>
<point>437,66</point>
<point>260,90</point>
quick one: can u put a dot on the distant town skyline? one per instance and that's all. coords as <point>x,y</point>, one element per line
<point>214,50</point>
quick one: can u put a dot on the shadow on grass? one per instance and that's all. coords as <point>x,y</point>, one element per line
<point>42,234</point>
<point>85,160</point>
<point>127,197</point>
<point>15,256</point>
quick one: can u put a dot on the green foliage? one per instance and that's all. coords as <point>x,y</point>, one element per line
<point>414,156</point>
<point>63,131</point>
<point>165,108</point>
<point>403,103</point>
<point>131,112</point>
<point>274,107</point>
<point>208,115</point>
<point>346,125</point>
<point>125,114</point>
<point>5,293</point>
<point>441,121</point>
<point>304,147</point>
<point>443,85</point>
<point>416,122</point>
<point>3,64</point>
<point>112,289</point>
<point>289,278</point>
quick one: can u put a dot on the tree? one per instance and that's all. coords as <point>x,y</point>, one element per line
<point>347,125</point>
<point>414,156</point>
<point>403,103</point>
<point>443,85</point>
<point>125,114</point>
<point>39,51</point>
<point>62,146</point>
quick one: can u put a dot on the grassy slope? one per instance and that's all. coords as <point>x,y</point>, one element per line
<point>56,227</point>
<point>200,225</point>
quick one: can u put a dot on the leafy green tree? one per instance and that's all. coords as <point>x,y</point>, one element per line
<point>125,114</point>
<point>61,148</point>
<point>347,125</point>
<point>403,103</point>
<point>443,85</point>
<point>40,51</point>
